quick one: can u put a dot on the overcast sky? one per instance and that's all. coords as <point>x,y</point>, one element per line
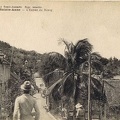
<point>40,31</point>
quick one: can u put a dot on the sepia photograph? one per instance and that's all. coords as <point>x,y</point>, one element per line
<point>59,60</point>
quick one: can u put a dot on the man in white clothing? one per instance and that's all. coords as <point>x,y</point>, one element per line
<point>25,104</point>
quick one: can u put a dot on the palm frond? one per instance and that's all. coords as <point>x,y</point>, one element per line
<point>96,88</point>
<point>82,49</point>
<point>49,90</point>
<point>96,84</point>
<point>95,55</point>
<point>68,86</point>
<point>71,48</point>
<point>62,40</point>
<point>56,70</point>
<point>82,45</point>
<point>65,76</point>
<point>97,65</point>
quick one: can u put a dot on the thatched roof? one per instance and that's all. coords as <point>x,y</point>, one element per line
<point>113,94</point>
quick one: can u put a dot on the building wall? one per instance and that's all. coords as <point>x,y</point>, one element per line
<point>4,99</point>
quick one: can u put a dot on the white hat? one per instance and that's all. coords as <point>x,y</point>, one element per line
<point>26,85</point>
<point>78,105</point>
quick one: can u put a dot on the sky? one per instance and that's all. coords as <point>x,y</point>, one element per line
<point>73,21</point>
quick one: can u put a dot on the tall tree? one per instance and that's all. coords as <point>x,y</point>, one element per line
<point>74,81</point>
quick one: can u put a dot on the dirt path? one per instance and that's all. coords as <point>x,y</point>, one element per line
<point>44,115</point>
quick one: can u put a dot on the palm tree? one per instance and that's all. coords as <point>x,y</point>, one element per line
<point>74,83</point>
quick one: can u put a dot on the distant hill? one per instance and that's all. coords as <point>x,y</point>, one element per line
<point>16,57</point>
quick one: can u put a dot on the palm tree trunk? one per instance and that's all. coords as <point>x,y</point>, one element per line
<point>74,100</point>
<point>89,90</point>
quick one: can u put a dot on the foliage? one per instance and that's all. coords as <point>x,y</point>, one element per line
<point>18,72</point>
<point>112,68</point>
<point>77,63</point>
<point>76,54</point>
<point>50,62</point>
<point>16,57</point>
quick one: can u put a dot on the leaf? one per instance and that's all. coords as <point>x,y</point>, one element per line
<point>65,42</point>
<point>83,46</point>
<point>96,64</point>
<point>95,55</point>
<point>57,82</point>
<point>82,49</point>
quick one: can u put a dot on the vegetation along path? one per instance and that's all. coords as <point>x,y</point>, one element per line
<point>44,115</point>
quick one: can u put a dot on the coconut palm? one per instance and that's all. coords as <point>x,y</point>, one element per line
<point>74,83</point>
<point>77,59</point>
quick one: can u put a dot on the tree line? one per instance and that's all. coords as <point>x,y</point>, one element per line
<point>17,57</point>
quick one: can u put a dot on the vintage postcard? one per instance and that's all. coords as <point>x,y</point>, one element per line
<point>59,60</point>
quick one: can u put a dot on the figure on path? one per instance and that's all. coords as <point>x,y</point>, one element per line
<point>79,112</point>
<point>25,104</point>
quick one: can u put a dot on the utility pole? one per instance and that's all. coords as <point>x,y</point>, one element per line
<point>89,89</point>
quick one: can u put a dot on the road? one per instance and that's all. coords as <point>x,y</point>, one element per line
<point>44,115</point>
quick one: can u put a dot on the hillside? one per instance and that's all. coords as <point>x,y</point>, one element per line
<point>17,57</point>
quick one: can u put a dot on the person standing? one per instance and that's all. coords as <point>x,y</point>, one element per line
<point>79,112</point>
<point>25,104</point>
